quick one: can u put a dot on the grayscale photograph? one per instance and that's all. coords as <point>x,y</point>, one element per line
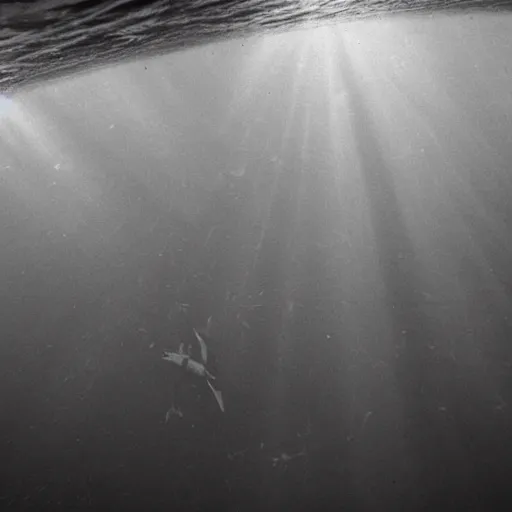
<point>255,255</point>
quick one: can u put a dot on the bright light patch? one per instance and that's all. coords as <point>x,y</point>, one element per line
<point>6,105</point>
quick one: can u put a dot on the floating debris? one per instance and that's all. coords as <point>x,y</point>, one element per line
<point>284,458</point>
<point>173,411</point>
<point>239,172</point>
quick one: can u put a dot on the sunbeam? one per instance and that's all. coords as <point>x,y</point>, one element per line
<point>329,208</point>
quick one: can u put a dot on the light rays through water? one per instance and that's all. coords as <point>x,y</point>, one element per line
<point>375,200</point>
